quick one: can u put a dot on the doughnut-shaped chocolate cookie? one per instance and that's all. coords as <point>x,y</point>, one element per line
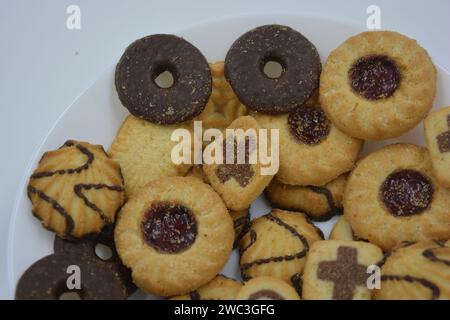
<point>147,58</point>
<point>247,58</point>
<point>47,279</point>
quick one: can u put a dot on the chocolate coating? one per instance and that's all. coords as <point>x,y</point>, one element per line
<point>406,193</point>
<point>144,60</point>
<point>47,279</point>
<point>375,77</point>
<point>308,125</point>
<point>244,69</point>
<point>169,227</point>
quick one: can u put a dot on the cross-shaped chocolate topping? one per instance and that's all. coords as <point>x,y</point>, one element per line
<point>443,140</point>
<point>344,272</point>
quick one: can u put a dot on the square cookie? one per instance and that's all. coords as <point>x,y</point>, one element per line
<point>337,270</point>
<point>437,134</point>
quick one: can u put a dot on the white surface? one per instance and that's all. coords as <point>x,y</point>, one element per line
<point>44,66</point>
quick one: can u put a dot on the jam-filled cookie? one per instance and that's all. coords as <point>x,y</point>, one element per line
<point>143,150</point>
<point>220,288</point>
<point>392,196</point>
<point>312,150</point>
<point>144,61</point>
<point>276,245</point>
<point>338,270</point>
<point>342,230</point>
<point>175,234</point>
<point>248,56</point>
<point>437,134</point>
<point>377,85</point>
<point>319,203</point>
<point>223,106</point>
<point>76,190</point>
<point>267,288</point>
<point>49,277</point>
<point>239,181</point>
<point>418,271</point>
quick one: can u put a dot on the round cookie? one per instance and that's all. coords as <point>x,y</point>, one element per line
<point>76,190</point>
<point>377,85</point>
<point>392,196</point>
<point>418,271</point>
<point>342,230</point>
<point>220,288</point>
<point>312,150</point>
<point>146,59</point>
<point>276,245</point>
<point>247,57</point>
<point>267,288</point>
<point>47,279</point>
<point>143,150</point>
<point>175,234</point>
<point>319,203</point>
<point>223,106</point>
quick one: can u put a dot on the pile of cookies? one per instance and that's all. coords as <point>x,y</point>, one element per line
<point>171,228</point>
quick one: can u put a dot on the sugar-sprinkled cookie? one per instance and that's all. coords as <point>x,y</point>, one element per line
<point>267,288</point>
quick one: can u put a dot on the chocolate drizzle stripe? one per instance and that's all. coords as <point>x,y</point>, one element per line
<point>245,223</point>
<point>244,267</point>
<point>430,255</point>
<point>69,221</point>
<point>78,189</point>
<point>435,292</point>
<point>297,283</point>
<point>334,208</point>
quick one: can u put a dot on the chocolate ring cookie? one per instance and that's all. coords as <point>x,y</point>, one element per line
<point>147,58</point>
<point>48,278</point>
<point>267,288</point>
<point>392,196</point>
<point>416,271</point>
<point>175,234</point>
<point>377,85</point>
<point>247,58</point>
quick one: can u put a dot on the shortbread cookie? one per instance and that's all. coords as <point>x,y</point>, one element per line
<point>392,196</point>
<point>241,223</point>
<point>143,150</point>
<point>319,203</point>
<point>312,150</point>
<point>76,190</point>
<point>437,134</point>
<point>223,106</point>
<point>175,234</point>
<point>239,184</point>
<point>276,245</point>
<point>377,85</point>
<point>267,288</point>
<point>417,272</point>
<point>342,230</point>
<point>248,56</point>
<point>146,59</point>
<point>220,288</point>
<point>338,270</point>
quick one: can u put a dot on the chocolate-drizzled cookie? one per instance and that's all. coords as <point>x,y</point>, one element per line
<point>147,58</point>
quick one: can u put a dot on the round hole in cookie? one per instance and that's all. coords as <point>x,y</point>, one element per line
<point>103,251</point>
<point>273,68</point>
<point>69,295</point>
<point>164,76</point>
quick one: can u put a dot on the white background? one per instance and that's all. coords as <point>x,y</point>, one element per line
<point>44,66</point>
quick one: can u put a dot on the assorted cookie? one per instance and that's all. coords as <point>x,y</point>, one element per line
<point>175,234</point>
<point>220,288</point>
<point>338,270</point>
<point>377,85</point>
<point>342,230</point>
<point>267,288</point>
<point>319,203</point>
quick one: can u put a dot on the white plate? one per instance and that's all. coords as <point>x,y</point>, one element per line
<point>96,115</point>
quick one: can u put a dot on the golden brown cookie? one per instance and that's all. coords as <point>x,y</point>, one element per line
<point>377,85</point>
<point>319,203</point>
<point>143,150</point>
<point>338,270</point>
<point>312,150</point>
<point>276,245</point>
<point>392,196</point>
<point>418,271</point>
<point>241,223</point>
<point>220,288</point>
<point>223,106</point>
<point>437,134</point>
<point>267,288</point>
<point>196,171</point>
<point>175,234</point>
<point>76,190</point>
<point>239,184</point>
<point>342,230</point>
